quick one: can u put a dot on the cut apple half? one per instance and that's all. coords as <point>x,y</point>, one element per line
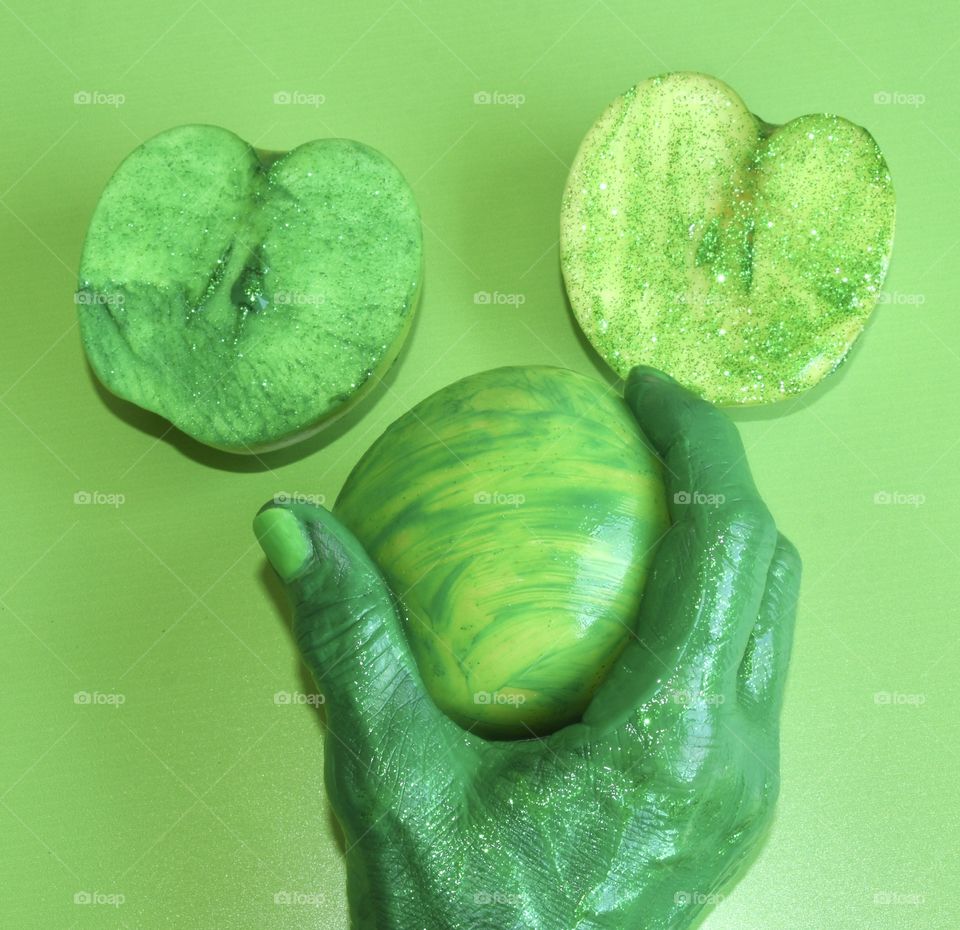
<point>740,257</point>
<point>248,296</point>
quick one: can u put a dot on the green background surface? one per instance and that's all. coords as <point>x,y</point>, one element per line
<point>199,799</point>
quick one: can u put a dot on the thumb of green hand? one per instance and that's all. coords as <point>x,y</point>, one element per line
<point>345,622</point>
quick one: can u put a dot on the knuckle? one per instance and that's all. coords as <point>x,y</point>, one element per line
<point>788,563</point>
<point>345,781</point>
<point>753,813</point>
<point>711,423</point>
<point>747,517</point>
<point>706,425</point>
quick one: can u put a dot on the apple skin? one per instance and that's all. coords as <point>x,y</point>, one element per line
<point>249,296</point>
<point>514,515</point>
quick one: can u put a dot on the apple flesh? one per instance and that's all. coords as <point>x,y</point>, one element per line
<point>248,297</point>
<point>514,514</point>
<point>740,257</point>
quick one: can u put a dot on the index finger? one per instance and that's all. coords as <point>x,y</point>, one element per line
<point>700,448</point>
<point>708,576</point>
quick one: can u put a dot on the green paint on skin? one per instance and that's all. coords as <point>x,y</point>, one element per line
<point>669,779</point>
<point>248,301</point>
<point>742,258</point>
<point>514,514</point>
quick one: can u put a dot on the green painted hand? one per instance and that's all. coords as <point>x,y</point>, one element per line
<point>631,819</point>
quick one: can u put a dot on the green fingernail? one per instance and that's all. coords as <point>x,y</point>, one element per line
<point>283,540</point>
<point>648,374</point>
<point>653,374</point>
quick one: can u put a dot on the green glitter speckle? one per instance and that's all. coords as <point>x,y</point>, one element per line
<point>249,301</point>
<point>740,257</point>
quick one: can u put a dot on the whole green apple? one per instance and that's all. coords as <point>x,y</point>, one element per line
<point>514,515</point>
<point>248,297</point>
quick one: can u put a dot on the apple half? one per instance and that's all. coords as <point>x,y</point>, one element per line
<point>740,257</point>
<point>248,297</point>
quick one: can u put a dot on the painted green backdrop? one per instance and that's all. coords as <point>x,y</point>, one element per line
<point>158,764</point>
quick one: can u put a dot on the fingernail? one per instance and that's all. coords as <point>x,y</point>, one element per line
<point>283,539</point>
<point>650,374</point>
